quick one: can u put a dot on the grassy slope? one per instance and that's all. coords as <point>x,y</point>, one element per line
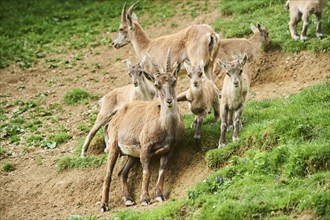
<point>279,167</point>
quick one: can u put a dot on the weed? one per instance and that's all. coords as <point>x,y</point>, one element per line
<point>7,167</point>
<point>2,151</point>
<point>77,162</point>
<point>76,96</point>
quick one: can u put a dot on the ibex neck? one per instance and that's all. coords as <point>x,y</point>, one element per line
<point>256,40</point>
<point>169,117</point>
<point>147,89</point>
<point>139,39</point>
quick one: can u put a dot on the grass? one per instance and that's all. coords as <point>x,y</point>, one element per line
<point>239,15</point>
<point>76,96</point>
<point>7,167</point>
<point>279,169</point>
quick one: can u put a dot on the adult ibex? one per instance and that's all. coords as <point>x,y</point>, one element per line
<point>142,130</point>
<point>302,9</point>
<point>195,43</point>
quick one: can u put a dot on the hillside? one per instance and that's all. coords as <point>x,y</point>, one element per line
<point>40,133</point>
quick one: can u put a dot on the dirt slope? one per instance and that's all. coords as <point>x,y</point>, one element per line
<point>35,191</point>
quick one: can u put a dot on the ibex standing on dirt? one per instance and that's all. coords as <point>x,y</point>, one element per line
<point>301,9</point>
<point>196,43</point>
<point>141,89</point>
<point>202,95</point>
<point>142,130</point>
<point>234,92</point>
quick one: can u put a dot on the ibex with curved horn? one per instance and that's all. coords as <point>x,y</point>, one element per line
<point>142,130</point>
<point>196,43</point>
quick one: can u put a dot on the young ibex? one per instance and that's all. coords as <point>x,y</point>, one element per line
<point>141,89</point>
<point>237,46</point>
<point>302,9</point>
<point>196,43</point>
<point>202,95</point>
<point>234,92</point>
<point>142,130</point>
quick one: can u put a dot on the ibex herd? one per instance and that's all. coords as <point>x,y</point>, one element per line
<point>142,119</point>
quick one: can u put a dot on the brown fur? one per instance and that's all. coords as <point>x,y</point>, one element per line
<point>202,95</point>
<point>114,100</point>
<point>229,48</point>
<point>233,98</point>
<point>195,43</point>
<point>301,10</point>
<point>144,129</point>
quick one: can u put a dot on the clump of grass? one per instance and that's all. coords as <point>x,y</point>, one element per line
<point>76,96</point>
<point>7,167</point>
<point>70,162</point>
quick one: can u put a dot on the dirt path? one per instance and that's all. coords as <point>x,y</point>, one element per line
<point>38,191</point>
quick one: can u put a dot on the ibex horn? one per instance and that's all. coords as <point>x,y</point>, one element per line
<point>130,10</point>
<point>168,60</point>
<point>123,17</point>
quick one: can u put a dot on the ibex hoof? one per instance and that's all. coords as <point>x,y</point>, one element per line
<point>303,38</point>
<point>105,208</point>
<point>197,137</point>
<point>230,127</point>
<point>319,35</point>
<point>221,145</point>
<point>145,202</point>
<point>295,37</point>
<point>82,155</point>
<point>160,198</point>
<point>129,202</point>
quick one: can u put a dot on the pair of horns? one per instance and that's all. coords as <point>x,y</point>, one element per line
<point>129,11</point>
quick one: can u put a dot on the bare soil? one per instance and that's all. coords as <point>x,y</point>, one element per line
<point>35,191</point>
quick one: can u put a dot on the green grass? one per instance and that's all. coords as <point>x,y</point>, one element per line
<point>75,162</point>
<point>7,167</point>
<point>239,15</point>
<point>76,96</point>
<point>279,169</point>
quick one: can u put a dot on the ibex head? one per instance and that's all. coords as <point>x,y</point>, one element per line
<point>126,21</point>
<point>195,73</point>
<point>262,31</point>
<point>137,73</point>
<point>234,69</point>
<point>165,82</point>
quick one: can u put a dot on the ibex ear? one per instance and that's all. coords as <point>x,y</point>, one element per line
<point>221,63</point>
<point>187,65</point>
<point>258,26</point>
<point>243,60</point>
<point>129,64</point>
<point>253,28</point>
<point>130,20</point>
<point>149,76</point>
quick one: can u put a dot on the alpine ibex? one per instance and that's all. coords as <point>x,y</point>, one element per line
<point>231,47</point>
<point>141,89</point>
<point>196,43</point>
<point>302,9</point>
<point>202,95</point>
<point>234,92</point>
<point>142,130</point>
